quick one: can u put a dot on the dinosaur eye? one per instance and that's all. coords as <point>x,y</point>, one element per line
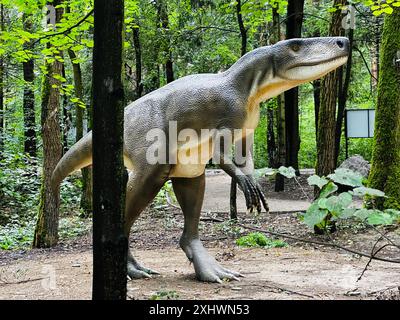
<point>295,47</point>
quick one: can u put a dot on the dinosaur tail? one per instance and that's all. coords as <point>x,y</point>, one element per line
<point>79,156</point>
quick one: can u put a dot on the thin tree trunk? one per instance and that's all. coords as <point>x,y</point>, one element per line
<point>2,105</point>
<point>29,97</point>
<point>46,232</point>
<point>293,30</point>
<point>86,196</point>
<point>110,245</point>
<point>342,99</point>
<point>375,54</point>
<point>317,83</point>
<point>243,31</point>
<point>327,116</point>
<point>279,112</point>
<point>162,15</point>
<point>138,61</point>
<point>317,103</point>
<point>66,117</point>
<point>243,35</point>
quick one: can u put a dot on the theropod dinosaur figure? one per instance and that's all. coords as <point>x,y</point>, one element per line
<point>220,102</point>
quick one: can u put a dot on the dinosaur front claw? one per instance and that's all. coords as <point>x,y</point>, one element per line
<point>253,195</point>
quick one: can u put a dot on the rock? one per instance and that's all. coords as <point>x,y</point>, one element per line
<point>357,164</point>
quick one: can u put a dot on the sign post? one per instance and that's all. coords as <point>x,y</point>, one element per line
<point>359,123</point>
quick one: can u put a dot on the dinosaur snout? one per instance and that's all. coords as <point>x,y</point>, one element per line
<point>343,44</point>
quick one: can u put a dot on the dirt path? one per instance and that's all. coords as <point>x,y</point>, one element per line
<point>216,197</point>
<point>299,271</point>
<point>289,273</point>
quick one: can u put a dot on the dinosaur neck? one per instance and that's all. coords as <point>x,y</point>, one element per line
<point>254,77</point>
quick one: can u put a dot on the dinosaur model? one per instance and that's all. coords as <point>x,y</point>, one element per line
<point>228,101</point>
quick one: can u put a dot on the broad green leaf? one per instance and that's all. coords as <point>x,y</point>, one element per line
<point>347,177</point>
<point>287,172</point>
<point>380,218</point>
<point>314,215</point>
<point>363,191</point>
<point>258,173</point>
<point>362,214</point>
<point>322,203</point>
<point>347,213</point>
<point>328,190</point>
<point>317,181</point>
<point>388,10</point>
<point>345,199</point>
<point>336,204</point>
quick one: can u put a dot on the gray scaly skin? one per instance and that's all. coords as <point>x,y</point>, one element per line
<point>225,101</point>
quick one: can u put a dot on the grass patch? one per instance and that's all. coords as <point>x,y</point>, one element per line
<point>259,240</point>
<point>165,295</point>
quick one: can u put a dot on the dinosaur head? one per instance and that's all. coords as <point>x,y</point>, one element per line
<point>303,60</point>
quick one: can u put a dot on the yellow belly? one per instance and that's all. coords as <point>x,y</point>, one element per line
<point>192,159</point>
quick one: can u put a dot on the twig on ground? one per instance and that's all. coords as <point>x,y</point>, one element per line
<point>277,288</point>
<point>5,283</point>
<point>326,244</point>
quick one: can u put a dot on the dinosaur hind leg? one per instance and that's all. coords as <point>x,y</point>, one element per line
<point>190,194</point>
<point>142,187</point>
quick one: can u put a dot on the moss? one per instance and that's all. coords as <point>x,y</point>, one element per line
<point>385,170</point>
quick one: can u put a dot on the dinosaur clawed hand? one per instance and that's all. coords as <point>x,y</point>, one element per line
<point>253,194</point>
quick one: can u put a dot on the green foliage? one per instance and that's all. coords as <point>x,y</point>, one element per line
<point>328,208</point>
<point>165,295</point>
<point>256,239</point>
<point>18,235</point>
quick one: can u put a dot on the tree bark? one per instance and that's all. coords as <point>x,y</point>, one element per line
<point>110,245</point>
<point>243,36</point>
<point>86,196</point>
<point>242,29</point>
<point>29,96</point>
<point>66,117</point>
<point>279,112</point>
<point>385,169</point>
<point>342,99</point>
<point>316,83</point>
<point>326,163</point>
<point>162,15</point>
<point>2,106</point>
<point>46,232</point>
<point>138,61</point>
<point>294,25</point>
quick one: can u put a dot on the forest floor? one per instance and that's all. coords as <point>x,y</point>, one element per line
<point>298,271</point>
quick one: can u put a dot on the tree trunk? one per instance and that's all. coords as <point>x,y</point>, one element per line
<point>66,117</point>
<point>138,61</point>
<point>243,36</point>
<point>242,29</point>
<point>162,15</point>
<point>29,96</point>
<point>110,245</point>
<point>317,83</point>
<point>86,196</point>
<point>2,106</point>
<point>294,25</point>
<point>317,103</point>
<point>385,170</point>
<point>375,53</point>
<point>46,232</point>
<point>279,112</point>
<point>327,114</point>
<point>343,94</point>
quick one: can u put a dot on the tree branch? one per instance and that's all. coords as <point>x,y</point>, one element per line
<point>69,29</point>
